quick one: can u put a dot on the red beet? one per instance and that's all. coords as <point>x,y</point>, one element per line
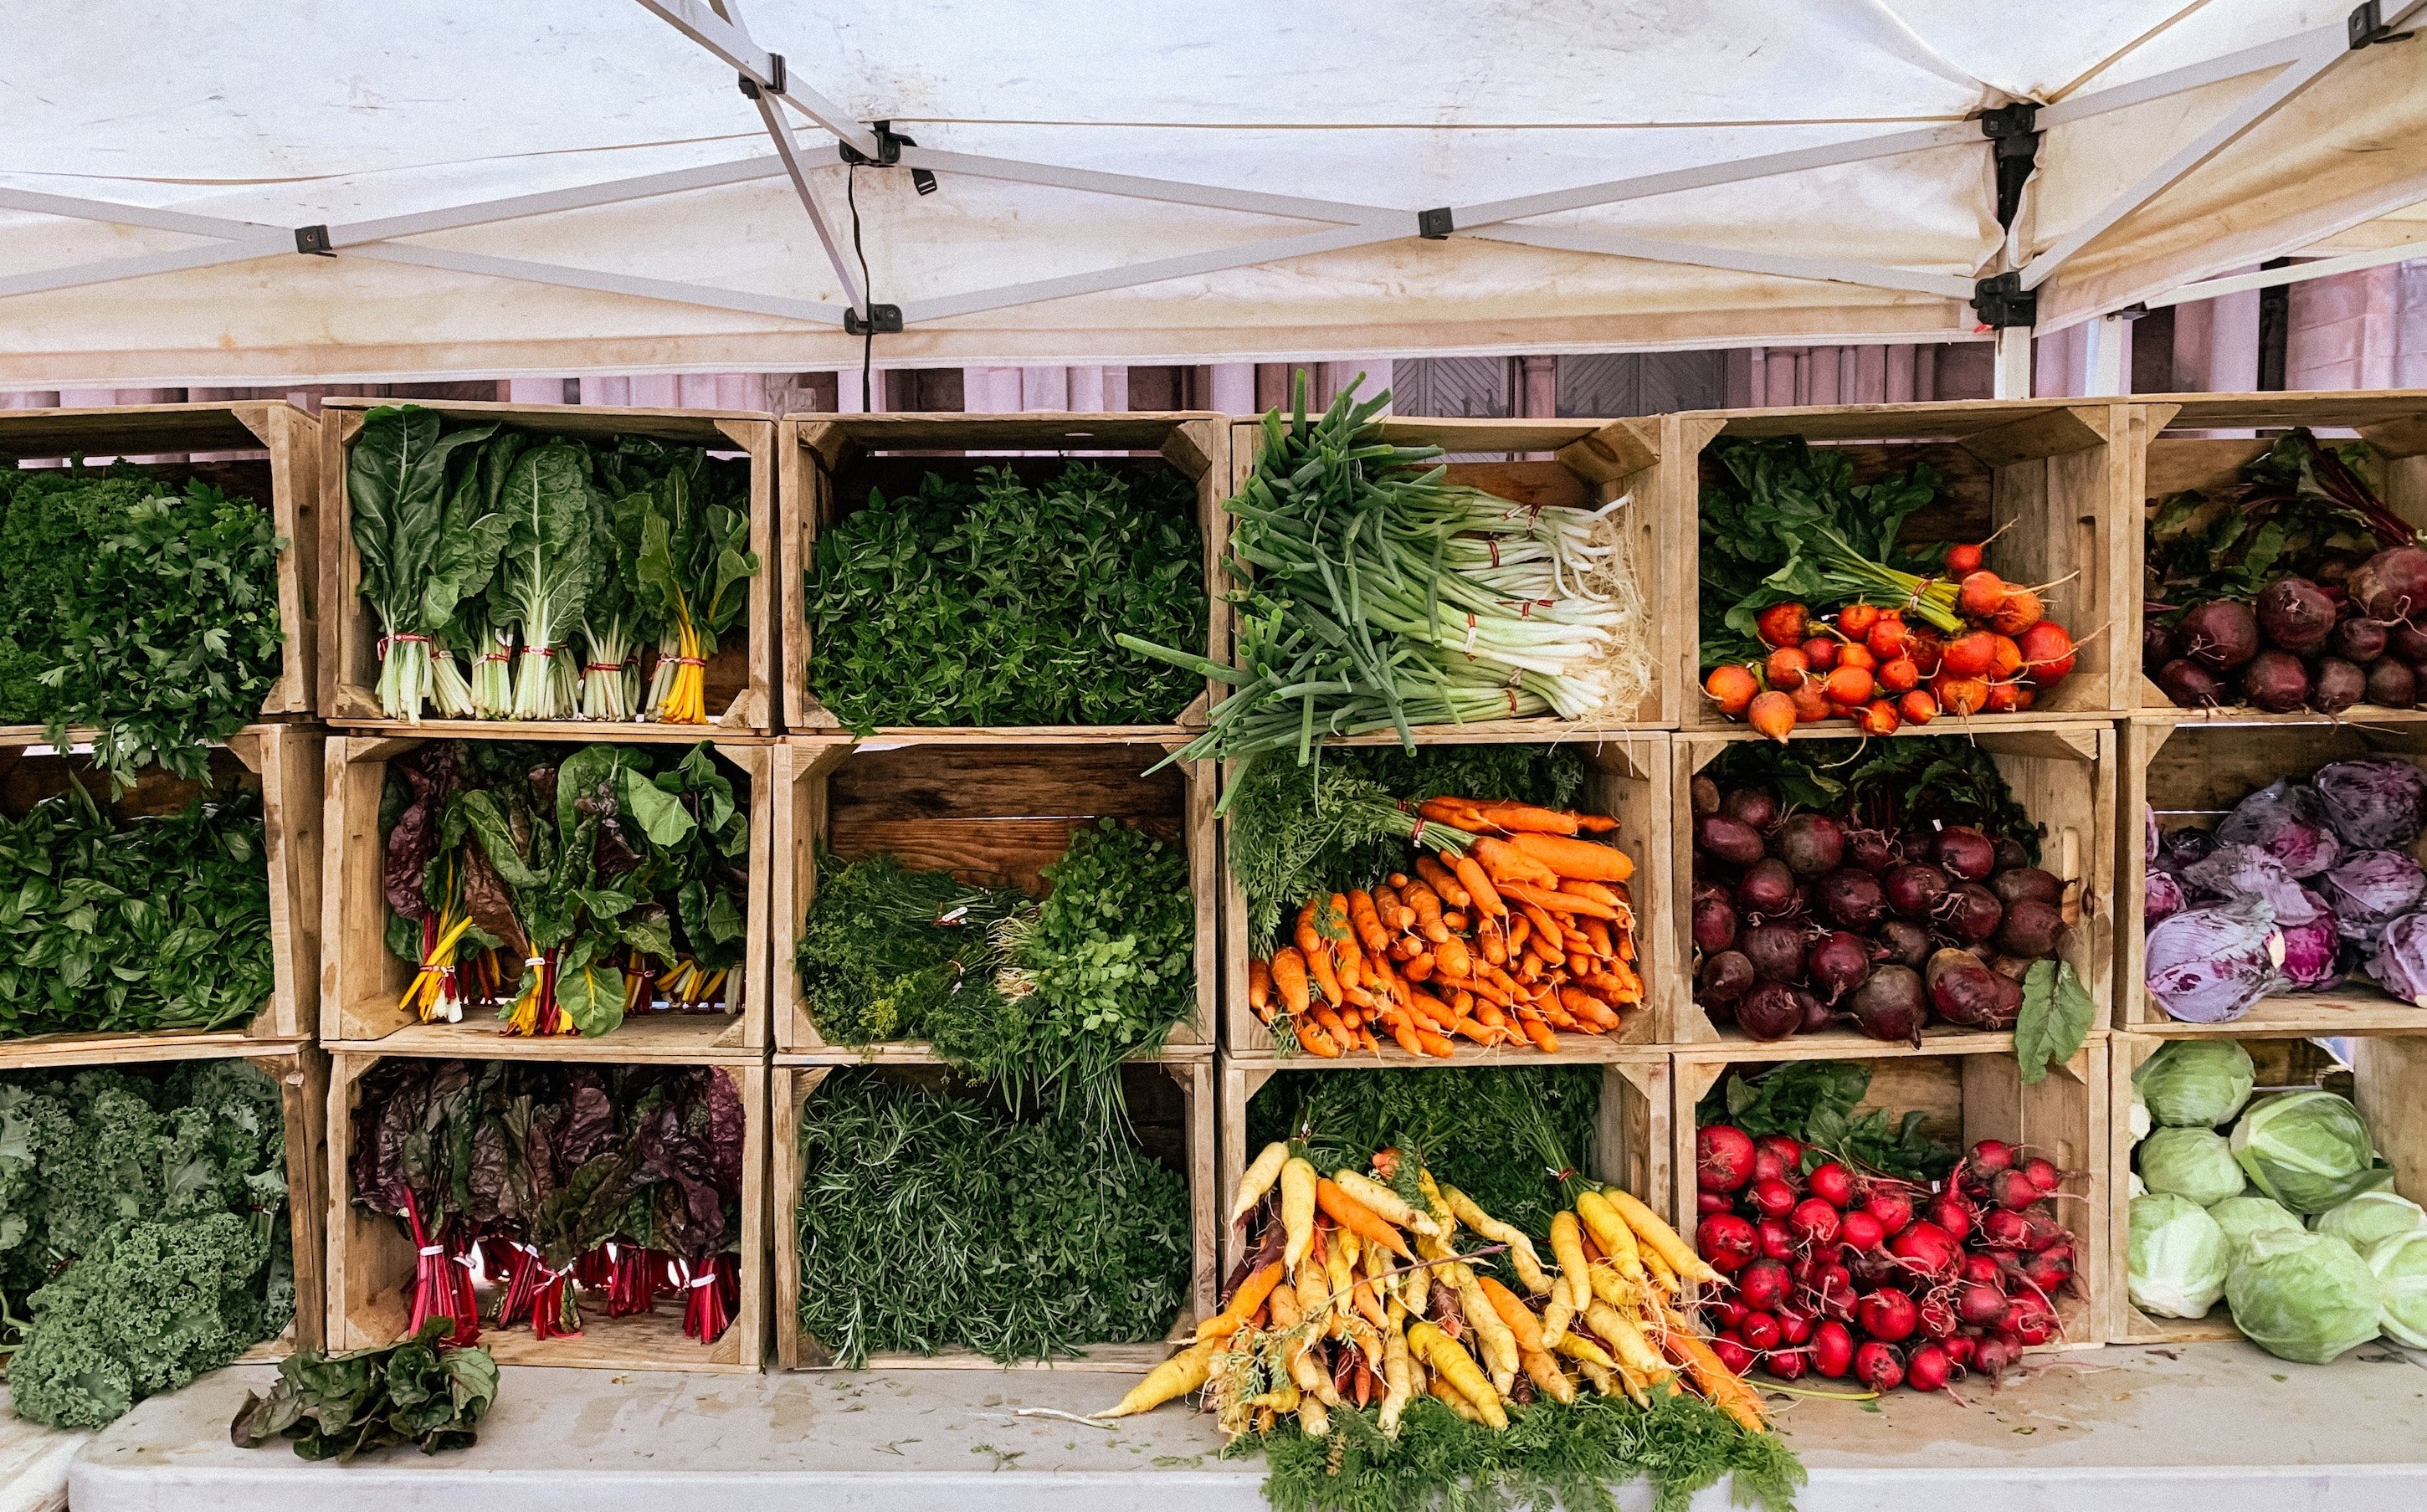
<point>2359,638</point>
<point>1732,840</point>
<point>2220,635</point>
<point>1862,1231</point>
<point>1986,1159</point>
<point>2336,686</point>
<point>2012,1188</point>
<point>1766,888</point>
<point>1788,1364</point>
<point>2046,1273</point>
<point>2190,685</point>
<point>2005,1228</point>
<point>1729,1311</point>
<point>1779,1155</point>
<point>1958,1350</point>
<point>1953,1214</point>
<point>2391,584</point>
<point>1876,1365</point>
<point>1907,943</point>
<point>1851,899</point>
<point>1983,1269</point>
<point>1891,1005</point>
<point>1937,1316</point>
<point>1965,852</point>
<point>1772,1199</point>
<point>2295,614</point>
<point>1706,795</point>
<point>1886,1315</point>
<point>2016,885</point>
<point>1869,850</point>
<point>1777,1241</point>
<point>1891,1207</point>
<point>1832,1183</point>
<point>1715,923</point>
<point>2392,684</point>
<point>1814,1221</point>
<point>1795,1323</point>
<point>1776,951</point>
<point>1770,1011</point>
<point>2275,681</point>
<point>1915,888</point>
<point>1726,1240</point>
<point>1725,978</point>
<point>1818,1015</point>
<point>2031,1320</point>
<point>1759,1331</point>
<point>1929,1249</point>
<point>1961,990</point>
<point>1995,1356</point>
<point>1723,1157</point>
<point>2156,646</point>
<point>1979,1305</point>
<point>1811,844</point>
<point>1929,1369</point>
<point>1712,1202</point>
<point>2042,1173</point>
<point>1971,912</point>
<point>1837,963</point>
<point>2407,642</point>
<point>1835,1293</point>
<point>1832,1350</point>
<point>1756,806</point>
<point>2031,930</point>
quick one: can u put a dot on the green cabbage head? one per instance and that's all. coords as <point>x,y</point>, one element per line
<point>2190,1162</point>
<point>2302,1296</point>
<point>2196,1083</point>
<point>2248,1216</point>
<point>2177,1257</point>
<point>2308,1151</point>
<point>2400,1266</point>
<point>2370,1217</point>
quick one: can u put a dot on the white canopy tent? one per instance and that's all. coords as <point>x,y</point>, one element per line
<point>296,190</point>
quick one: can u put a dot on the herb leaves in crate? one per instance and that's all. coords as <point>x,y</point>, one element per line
<point>1813,1101</point>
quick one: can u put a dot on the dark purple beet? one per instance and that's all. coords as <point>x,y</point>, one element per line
<point>1891,1005</point>
<point>1715,924</point>
<point>2008,1007</point>
<point>1756,806</point>
<point>1707,796</point>
<point>2406,641</point>
<point>1732,840</point>
<point>2220,635</point>
<point>1971,912</point>
<point>1849,898</point>
<point>2190,685</point>
<point>1767,889</point>
<point>1776,951</point>
<point>2030,929</point>
<point>2011,854</point>
<point>1913,889</point>
<point>2391,584</point>
<point>1811,844</point>
<point>1908,943</point>
<point>1724,979</point>
<point>2294,614</point>
<point>2392,684</point>
<point>1818,1015</point>
<point>2157,644</point>
<point>2027,882</point>
<point>2275,681</point>
<point>2359,638</point>
<point>1773,1010</point>
<point>1961,990</point>
<point>1965,854</point>
<point>2335,686</point>
<point>1869,849</point>
<point>1839,961</point>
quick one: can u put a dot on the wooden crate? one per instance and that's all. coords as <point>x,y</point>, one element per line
<point>2381,1072</point>
<point>361,982</point>
<point>797,1080</point>
<point>991,814</point>
<point>1631,1146</point>
<point>2200,441</point>
<point>2058,477</point>
<point>1970,1092</point>
<point>1556,463</point>
<point>829,462</point>
<point>2062,771</point>
<point>277,465</point>
<point>371,1258</point>
<point>1626,776</point>
<point>739,696</point>
<point>280,763</point>
<point>2192,770</point>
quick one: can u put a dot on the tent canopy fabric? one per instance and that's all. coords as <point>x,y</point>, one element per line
<point>1142,183</point>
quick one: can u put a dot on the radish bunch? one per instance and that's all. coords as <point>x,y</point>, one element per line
<point>1838,1274</point>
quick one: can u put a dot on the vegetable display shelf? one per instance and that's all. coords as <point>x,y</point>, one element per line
<point>828,463</point>
<point>370,1257</point>
<point>362,984</point>
<point>281,763</point>
<point>738,693</point>
<point>2056,482</point>
<point>2203,441</point>
<point>2062,772</point>
<point>991,815</point>
<point>1581,465</point>
<point>2382,1073</point>
<point>1626,776</point>
<point>1173,1125</point>
<point>265,450</point>
<point>1632,1142</point>
<point>2191,768</point>
<point>1967,1090</point>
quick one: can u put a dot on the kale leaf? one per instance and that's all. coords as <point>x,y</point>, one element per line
<point>335,1406</point>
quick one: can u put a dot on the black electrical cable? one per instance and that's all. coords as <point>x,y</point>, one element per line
<point>867,294</point>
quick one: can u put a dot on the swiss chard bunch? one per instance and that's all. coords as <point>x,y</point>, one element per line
<point>335,1406</point>
<point>2301,509</point>
<point>693,561</point>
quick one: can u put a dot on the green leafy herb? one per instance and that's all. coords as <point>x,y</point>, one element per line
<point>335,1406</point>
<point>1914,783</point>
<point>1813,1101</point>
<point>876,955</point>
<point>2056,1018</point>
<point>996,601</point>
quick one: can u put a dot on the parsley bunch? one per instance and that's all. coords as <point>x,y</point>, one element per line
<point>996,601</point>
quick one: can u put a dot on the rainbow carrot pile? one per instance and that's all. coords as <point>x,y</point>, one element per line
<point>1518,929</point>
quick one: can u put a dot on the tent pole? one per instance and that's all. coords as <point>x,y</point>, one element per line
<point>732,45</point>
<point>1247,255</point>
<point>2297,274</point>
<point>2111,356</point>
<point>483,265</point>
<point>184,259</point>
<point>2012,377</point>
<point>1609,243</point>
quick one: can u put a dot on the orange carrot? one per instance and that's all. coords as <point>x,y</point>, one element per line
<point>1598,932</point>
<point>1396,916</point>
<point>1453,959</point>
<point>1502,860</point>
<point>1519,928</point>
<point>1472,876</point>
<point>1316,950</point>
<point>1525,816</point>
<point>1587,859</point>
<point>1435,1044</point>
<point>1419,966</point>
<point>1437,877</point>
<point>1552,902</point>
<point>1289,975</point>
<point>1613,897</point>
<point>1403,1031</point>
<point>1538,1032</point>
<point>1260,989</point>
<point>1243,1302</point>
<point>1596,824</point>
<point>1587,1008</point>
<point>1332,1023</point>
<point>1367,922</point>
<point>1428,912</point>
<point>1313,1038</point>
<point>1358,1218</point>
<point>1493,939</point>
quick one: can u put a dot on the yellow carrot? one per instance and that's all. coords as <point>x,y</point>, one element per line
<point>1567,1243</point>
<point>1258,1179</point>
<point>1454,1365</point>
<point>1611,1232</point>
<point>1543,1371</point>
<point>1658,1236</point>
<point>1387,1205</point>
<point>1179,1375</point>
<point>1398,1380</point>
<point>1297,1210</point>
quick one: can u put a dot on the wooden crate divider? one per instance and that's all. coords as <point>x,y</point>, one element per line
<point>989,813</point>
<point>2386,1072</point>
<point>287,481</point>
<point>2185,450</point>
<point>1567,464</point>
<point>361,982</point>
<point>2058,477</point>
<point>1969,1092</point>
<point>796,1082</point>
<point>2192,770</point>
<point>370,1257</point>
<point>741,674</point>
<point>1632,1145</point>
<point>2062,771</point>
<point>1626,776</point>
<point>826,462</point>
<point>282,762</point>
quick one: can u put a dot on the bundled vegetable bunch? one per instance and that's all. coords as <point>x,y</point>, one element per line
<point>476,539</point>
<point>1379,596</point>
<point>1787,536</point>
<point>335,1406</point>
<point>144,612</point>
<point>1906,891</point>
<point>142,924</point>
<point>996,601</point>
<point>1522,928</point>
<point>2302,885</point>
<point>1839,1271</point>
<point>565,890</point>
<point>538,1180</point>
<point>2295,587</point>
<point>143,1232</point>
<point>2286,1218</point>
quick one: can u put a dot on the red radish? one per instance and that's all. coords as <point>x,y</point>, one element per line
<point>1730,1312</point>
<point>1876,1267</point>
<point>2045,1233</point>
<point>1929,1369</point>
<point>1887,1315</point>
<point>1892,1207</point>
<point>1983,1270</point>
<point>1832,1183</point>
<point>1953,1213</point>
<point>2046,1275</point>
<point>1760,1332</point>
<point>1937,1317</point>
<point>1980,1304</point>
<point>1958,1350</point>
<point>1788,1364</point>
<point>2004,1229</point>
<point>2043,1173</point>
<point>1795,1323</point>
<point>1928,1248</point>
<point>1876,1365</point>
<point>1995,1356</point>
<point>1814,1221</point>
<point>1726,1240</point>
<point>1788,1150</point>
<point>1862,1231</point>
<point>2013,1190</point>
<point>1732,1353</point>
<point>1762,1285</point>
<point>1987,1158</point>
<point>1835,1291</point>
<point>1777,1240</point>
<point>1832,1350</point>
<point>2030,1321</point>
<point>1712,1202</point>
<point>1774,1198</point>
<point>1722,1158</point>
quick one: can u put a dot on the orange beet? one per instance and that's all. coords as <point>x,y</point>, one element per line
<point>1898,675</point>
<point>1855,620</point>
<point>1773,714</point>
<point>1782,625</point>
<point>1786,668</point>
<point>1962,558</point>
<point>1858,655</point>
<point>1811,700</point>
<point>1980,595</point>
<point>1918,706</point>
<point>1877,718</point>
<point>2016,613</point>
<point>1731,687</point>
<point>1849,686</point>
<point>1969,655</point>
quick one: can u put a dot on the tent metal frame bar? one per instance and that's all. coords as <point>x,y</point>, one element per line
<point>1611,243</point>
<point>2297,274</point>
<point>486,266</point>
<point>731,43</point>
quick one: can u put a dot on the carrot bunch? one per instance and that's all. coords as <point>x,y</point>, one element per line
<point>1360,1289</point>
<point>1527,932</point>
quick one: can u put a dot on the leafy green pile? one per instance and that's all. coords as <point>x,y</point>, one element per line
<point>1326,826</point>
<point>994,601</point>
<point>1573,1456</point>
<point>2301,508</point>
<point>153,923</point>
<point>144,612</point>
<point>877,956</point>
<point>1781,521</point>
<point>930,1221</point>
<point>1913,783</point>
<point>1436,1113</point>
<point>335,1406</point>
<point>1813,1101</point>
<point>143,1222</point>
